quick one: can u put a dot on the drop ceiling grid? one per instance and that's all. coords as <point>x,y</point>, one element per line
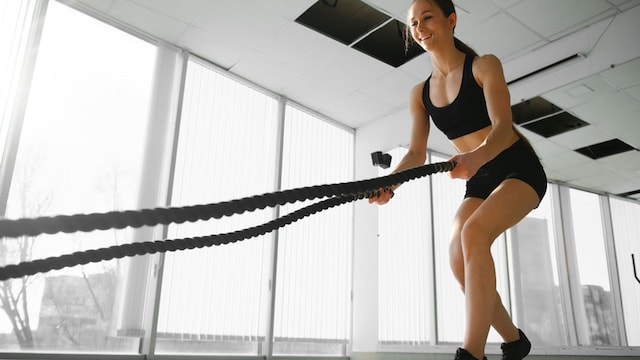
<point>581,137</point>
<point>566,14</point>
<point>161,26</point>
<point>501,43</point>
<point>186,11</point>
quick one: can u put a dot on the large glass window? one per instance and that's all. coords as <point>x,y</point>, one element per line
<point>537,304</point>
<point>593,301</point>
<point>15,26</point>
<point>213,299</point>
<point>405,275</point>
<point>313,289</point>
<point>626,230</point>
<point>80,151</point>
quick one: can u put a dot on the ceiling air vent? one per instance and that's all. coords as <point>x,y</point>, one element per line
<point>555,124</point>
<point>362,27</point>
<point>607,148</point>
<point>343,21</point>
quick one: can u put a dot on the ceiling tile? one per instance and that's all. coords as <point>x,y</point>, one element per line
<point>207,46</point>
<point>634,92</point>
<point>546,148</point>
<point>473,12</point>
<point>627,163</point>
<point>351,69</point>
<point>625,4</point>
<point>290,9</point>
<point>584,170</point>
<point>619,186</point>
<point>185,11</point>
<point>606,107</point>
<point>564,160</point>
<point>505,4</point>
<point>596,181</point>
<point>357,109</point>
<point>566,14</point>
<point>579,92</point>
<point>501,43</point>
<point>393,88</point>
<point>296,44</point>
<point>248,25</point>
<point>395,8</point>
<point>623,125</point>
<point>150,21</point>
<point>625,75</point>
<point>582,137</point>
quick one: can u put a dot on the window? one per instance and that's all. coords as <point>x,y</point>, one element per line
<point>214,300</point>
<point>313,288</point>
<point>80,151</point>
<point>626,230</point>
<point>405,263</point>
<point>594,308</point>
<point>15,27</point>
<point>537,303</point>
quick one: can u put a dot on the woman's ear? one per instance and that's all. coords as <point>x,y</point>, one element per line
<point>453,20</point>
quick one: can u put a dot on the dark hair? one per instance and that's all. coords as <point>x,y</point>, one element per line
<point>447,8</point>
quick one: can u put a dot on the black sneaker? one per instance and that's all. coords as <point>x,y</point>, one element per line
<point>462,354</point>
<point>516,350</point>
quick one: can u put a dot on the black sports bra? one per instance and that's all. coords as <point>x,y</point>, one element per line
<point>468,111</point>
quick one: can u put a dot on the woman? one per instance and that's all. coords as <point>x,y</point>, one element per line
<point>467,98</point>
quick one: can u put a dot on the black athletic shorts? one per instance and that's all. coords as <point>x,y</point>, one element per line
<point>519,161</point>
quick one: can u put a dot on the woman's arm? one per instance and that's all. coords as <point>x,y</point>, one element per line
<point>417,153</point>
<point>488,73</point>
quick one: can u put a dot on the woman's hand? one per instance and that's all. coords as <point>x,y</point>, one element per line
<point>383,196</point>
<point>466,166</point>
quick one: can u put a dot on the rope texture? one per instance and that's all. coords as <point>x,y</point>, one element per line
<point>342,193</point>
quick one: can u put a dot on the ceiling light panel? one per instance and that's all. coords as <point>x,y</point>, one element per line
<point>555,124</point>
<point>605,148</point>
<point>387,44</point>
<point>343,21</point>
<point>533,109</point>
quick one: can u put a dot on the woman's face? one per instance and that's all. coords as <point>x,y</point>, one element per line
<point>429,26</point>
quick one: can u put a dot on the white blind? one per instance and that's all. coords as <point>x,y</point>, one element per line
<point>314,256</point>
<point>226,150</point>
<point>405,271</point>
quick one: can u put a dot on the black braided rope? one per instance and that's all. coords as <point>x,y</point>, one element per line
<point>179,215</point>
<point>151,247</point>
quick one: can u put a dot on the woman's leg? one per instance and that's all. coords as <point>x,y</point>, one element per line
<point>505,207</point>
<point>501,321</point>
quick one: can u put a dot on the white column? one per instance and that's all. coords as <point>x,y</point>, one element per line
<point>140,290</point>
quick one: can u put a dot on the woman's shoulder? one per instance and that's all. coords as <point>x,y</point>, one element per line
<point>486,65</point>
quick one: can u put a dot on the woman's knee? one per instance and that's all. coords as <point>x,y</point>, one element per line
<point>474,237</point>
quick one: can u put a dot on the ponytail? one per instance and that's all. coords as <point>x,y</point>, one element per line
<point>464,47</point>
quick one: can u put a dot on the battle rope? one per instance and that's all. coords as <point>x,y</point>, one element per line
<point>342,192</point>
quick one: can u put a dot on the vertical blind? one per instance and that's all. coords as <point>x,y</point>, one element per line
<point>314,254</point>
<point>405,263</point>
<point>226,150</point>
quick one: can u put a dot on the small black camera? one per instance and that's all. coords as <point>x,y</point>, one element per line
<point>380,159</point>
